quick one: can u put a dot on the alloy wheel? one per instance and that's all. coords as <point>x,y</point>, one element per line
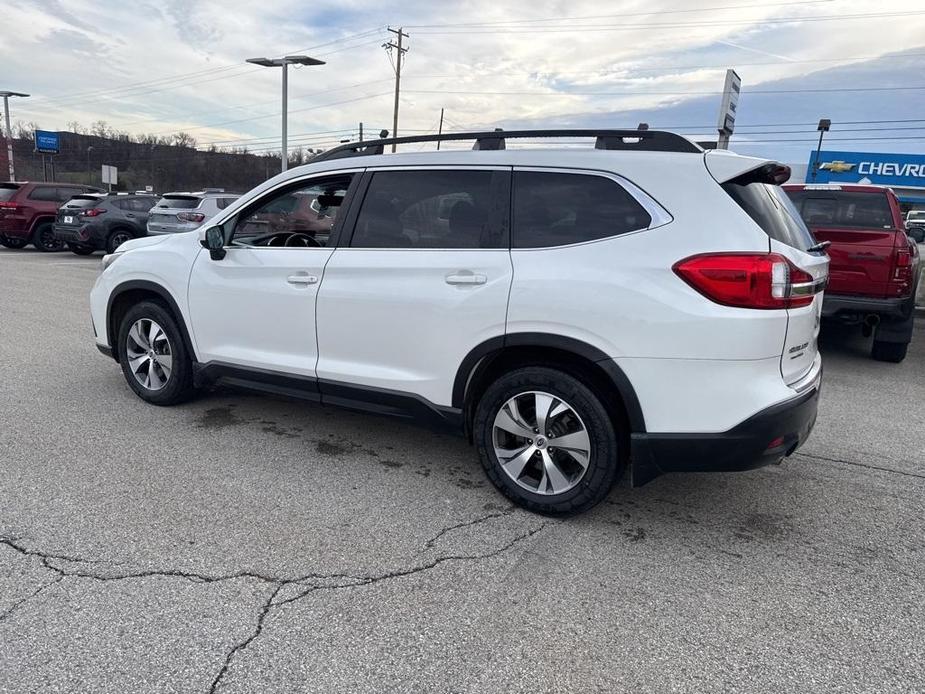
<point>541,443</point>
<point>149,355</point>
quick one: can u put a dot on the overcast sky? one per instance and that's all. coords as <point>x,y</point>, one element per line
<point>178,65</point>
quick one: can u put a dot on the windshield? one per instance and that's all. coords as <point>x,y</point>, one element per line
<point>916,214</point>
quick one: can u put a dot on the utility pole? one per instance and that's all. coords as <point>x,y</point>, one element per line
<point>399,57</point>
<point>361,131</point>
<point>440,128</point>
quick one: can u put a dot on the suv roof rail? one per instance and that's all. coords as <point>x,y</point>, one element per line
<point>626,140</point>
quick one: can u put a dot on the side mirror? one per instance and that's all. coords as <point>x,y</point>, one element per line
<point>214,242</point>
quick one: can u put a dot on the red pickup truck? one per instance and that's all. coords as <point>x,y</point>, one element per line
<point>874,266</point>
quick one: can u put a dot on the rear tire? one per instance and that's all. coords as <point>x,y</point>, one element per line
<point>14,243</point>
<point>80,250</point>
<point>153,356</point>
<point>117,238</point>
<point>893,352</point>
<point>44,238</point>
<point>507,421</point>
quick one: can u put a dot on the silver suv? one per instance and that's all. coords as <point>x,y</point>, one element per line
<point>176,212</point>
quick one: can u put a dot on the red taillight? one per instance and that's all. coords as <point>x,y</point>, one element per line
<point>190,216</point>
<point>92,212</point>
<point>8,205</point>
<point>749,280</point>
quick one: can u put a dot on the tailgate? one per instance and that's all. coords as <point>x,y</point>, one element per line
<point>800,343</point>
<point>861,259</point>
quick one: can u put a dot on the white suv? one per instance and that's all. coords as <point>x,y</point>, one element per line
<point>581,315</point>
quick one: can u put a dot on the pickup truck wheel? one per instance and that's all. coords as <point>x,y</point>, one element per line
<point>546,441</point>
<point>893,352</point>
<point>80,250</point>
<point>12,242</point>
<point>44,238</point>
<point>152,355</point>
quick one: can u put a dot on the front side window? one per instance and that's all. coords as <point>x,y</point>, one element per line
<point>557,209</point>
<point>300,217</point>
<point>432,209</point>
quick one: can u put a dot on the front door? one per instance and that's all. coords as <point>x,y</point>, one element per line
<point>256,306</point>
<point>423,280</point>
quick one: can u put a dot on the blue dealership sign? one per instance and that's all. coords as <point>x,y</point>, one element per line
<point>46,142</point>
<point>879,168</point>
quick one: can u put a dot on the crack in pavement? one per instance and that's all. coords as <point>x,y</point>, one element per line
<point>466,524</point>
<point>347,580</point>
<point>864,465</point>
<point>24,600</point>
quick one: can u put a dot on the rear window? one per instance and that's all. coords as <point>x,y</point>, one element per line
<point>770,208</point>
<point>835,208</point>
<point>179,202</point>
<point>80,203</point>
<point>7,192</point>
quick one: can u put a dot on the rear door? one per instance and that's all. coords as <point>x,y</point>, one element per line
<point>769,206</point>
<point>424,279</point>
<point>862,232</point>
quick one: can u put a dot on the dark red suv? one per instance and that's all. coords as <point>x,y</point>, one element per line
<point>27,212</point>
<point>875,265</point>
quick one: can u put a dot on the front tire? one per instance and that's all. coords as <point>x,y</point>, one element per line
<point>45,240</point>
<point>153,356</point>
<point>14,243</point>
<point>546,441</point>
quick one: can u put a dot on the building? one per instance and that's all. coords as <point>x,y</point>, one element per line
<point>904,173</point>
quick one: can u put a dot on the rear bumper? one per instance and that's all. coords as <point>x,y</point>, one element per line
<point>86,235</point>
<point>859,306</point>
<point>762,439</point>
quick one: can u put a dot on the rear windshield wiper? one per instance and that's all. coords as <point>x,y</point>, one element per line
<point>819,247</point>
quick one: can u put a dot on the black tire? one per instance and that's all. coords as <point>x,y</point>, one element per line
<point>179,384</point>
<point>117,238</point>
<point>14,243</point>
<point>893,352</point>
<point>605,457</point>
<point>45,240</point>
<point>80,250</point>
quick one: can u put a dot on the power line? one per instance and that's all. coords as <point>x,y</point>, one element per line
<point>664,25</point>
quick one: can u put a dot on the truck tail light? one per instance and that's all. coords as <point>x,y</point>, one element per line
<point>190,216</point>
<point>92,212</point>
<point>749,280</point>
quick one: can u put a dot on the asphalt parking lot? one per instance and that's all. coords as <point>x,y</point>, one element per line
<point>243,543</point>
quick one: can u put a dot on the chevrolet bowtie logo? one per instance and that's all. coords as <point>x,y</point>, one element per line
<point>837,166</point>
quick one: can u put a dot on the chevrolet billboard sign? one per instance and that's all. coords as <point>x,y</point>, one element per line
<point>903,170</point>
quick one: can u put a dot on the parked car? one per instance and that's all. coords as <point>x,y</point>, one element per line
<point>915,225</point>
<point>875,265</point>
<point>628,310</point>
<point>92,222</point>
<point>27,212</point>
<point>176,212</point>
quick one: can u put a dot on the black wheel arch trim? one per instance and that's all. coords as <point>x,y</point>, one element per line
<point>161,292</point>
<point>494,346</point>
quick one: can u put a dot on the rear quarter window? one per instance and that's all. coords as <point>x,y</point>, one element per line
<point>8,192</point>
<point>558,209</point>
<point>771,209</point>
<point>837,208</point>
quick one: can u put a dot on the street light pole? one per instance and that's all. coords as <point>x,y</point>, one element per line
<point>823,128</point>
<point>9,131</point>
<point>284,63</point>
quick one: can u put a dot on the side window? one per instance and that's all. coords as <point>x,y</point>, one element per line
<point>125,205</point>
<point>224,202</point>
<point>67,193</point>
<point>301,217</point>
<point>557,209</point>
<point>433,209</point>
<point>143,204</point>
<point>46,193</point>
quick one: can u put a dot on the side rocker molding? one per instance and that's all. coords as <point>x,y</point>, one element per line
<point>154,288</point>
<point>495,345</point>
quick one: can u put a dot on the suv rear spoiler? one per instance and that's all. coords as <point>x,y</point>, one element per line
<point>724,166</point>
